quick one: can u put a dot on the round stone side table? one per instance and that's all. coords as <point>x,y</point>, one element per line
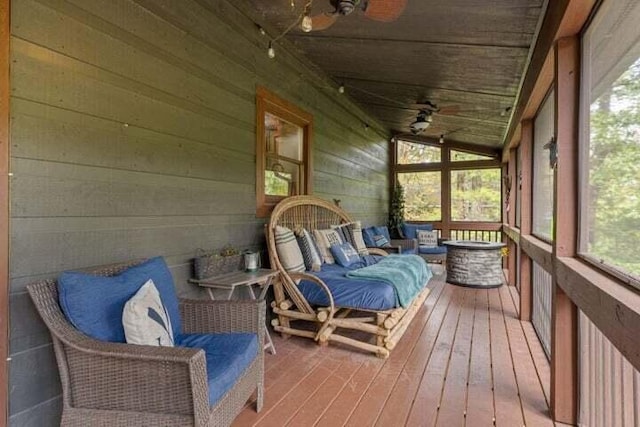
<point>475,264</point>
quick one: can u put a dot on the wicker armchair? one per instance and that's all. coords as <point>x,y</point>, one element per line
<point>114,384</point>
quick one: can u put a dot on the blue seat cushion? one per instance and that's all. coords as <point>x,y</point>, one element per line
<point>94,304</point>
<point>409,251</point>
<point>228,357</point>
<point>410,230</point>
<point>349,292</point>
<point>432,251</point>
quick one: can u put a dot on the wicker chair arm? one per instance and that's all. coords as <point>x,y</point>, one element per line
<point>317,281</point>
<point>170,380</point>
<point>380,251</point>
<point>406,244</point>
<point>205,316</point>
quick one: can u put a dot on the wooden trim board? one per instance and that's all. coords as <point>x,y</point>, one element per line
<point>5,33</point>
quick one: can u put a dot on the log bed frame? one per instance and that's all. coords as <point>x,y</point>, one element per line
<point>386,326</point>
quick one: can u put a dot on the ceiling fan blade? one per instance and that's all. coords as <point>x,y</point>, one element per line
<point>384,10</point>
<point>323,21</point>
<point>449,110</point>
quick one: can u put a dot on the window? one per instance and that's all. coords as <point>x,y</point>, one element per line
<point>283,151</point>
<point>422,191</point>
<point>610,140</point>
<point>475,195</point>
<point>543,135</point>
<point>415,153</point>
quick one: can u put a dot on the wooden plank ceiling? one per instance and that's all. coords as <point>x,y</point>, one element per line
<point>465,56</point>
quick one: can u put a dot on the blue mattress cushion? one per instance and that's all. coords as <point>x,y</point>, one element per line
<point>410,231</point>
<point>349,292</point>
<point>228,357</point>
<point>432,251</point>
<point>94,304</point>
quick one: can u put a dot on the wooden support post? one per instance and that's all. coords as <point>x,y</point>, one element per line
<point>511,218</point>
<point>564,313</point>
<point>445,192</point>
<point>526,166</point>
<point>5,33</point>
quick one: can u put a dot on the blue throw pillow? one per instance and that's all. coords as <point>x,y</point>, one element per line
<point>410,231</point>
<point>94,304</point>
<point>383,231</point>
<point>345,254</point>
<point>381,241</point>
<point>367,236</point>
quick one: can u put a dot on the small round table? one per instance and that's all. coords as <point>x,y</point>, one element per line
<point>475,264</point>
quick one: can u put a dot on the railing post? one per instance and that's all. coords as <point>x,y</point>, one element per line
<point>526,154</point>
<point>564,313</point>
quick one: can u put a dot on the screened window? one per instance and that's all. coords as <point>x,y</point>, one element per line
<point>475,195</point>
<point>543,136</point>
<point>610,138</point>
<point>415,153</point>
<point>283,153</point>
<point>422,195</point>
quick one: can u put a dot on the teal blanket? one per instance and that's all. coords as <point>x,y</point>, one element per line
<point>408,274</point>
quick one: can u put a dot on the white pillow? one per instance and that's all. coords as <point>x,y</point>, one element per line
<point>288,250</point>
<point>428,239</point>
<point>145,319</point>
<point>325,239</point>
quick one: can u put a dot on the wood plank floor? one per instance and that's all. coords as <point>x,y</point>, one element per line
<point>466,360</point>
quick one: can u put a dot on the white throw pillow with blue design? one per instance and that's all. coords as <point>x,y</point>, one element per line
<point>145,318</point>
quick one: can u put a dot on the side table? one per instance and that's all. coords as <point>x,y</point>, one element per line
<point>230,281</point>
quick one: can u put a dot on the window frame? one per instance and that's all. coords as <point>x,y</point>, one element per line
<point>268,102</point>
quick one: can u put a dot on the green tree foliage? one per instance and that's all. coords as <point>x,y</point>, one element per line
<point>614,173</point>
<point>475,195</point>
<point>396,213</point>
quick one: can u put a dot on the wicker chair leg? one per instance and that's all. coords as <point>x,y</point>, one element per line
<point>260,397</point>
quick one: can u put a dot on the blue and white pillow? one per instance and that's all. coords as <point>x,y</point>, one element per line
<point>345,254</point>
<point>352,232</point>
<point>288,250</point>
<point>326,239</point>
<point>310,251</point>
<point>146,320</point>
<point>381,241</point>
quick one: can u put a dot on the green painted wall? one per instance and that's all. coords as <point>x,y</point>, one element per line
<point>133,134</point>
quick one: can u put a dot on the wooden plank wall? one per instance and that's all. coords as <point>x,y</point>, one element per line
<point>133,135</point>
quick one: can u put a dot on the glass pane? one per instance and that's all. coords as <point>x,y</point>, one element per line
<point>463,156</point>
<point>543,132</point>
<point>412,153</point>
<point>281,178</point>
<point>422,192</point>
<point>610,215</point>
<point>475,195</point>
<point>283,138</point>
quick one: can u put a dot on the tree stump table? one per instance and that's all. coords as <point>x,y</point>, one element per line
<point>474,263</point>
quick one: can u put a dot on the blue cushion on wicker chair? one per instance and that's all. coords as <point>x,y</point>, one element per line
<point>94,304</point>
<point>432,251</point>
<point>228,356</point>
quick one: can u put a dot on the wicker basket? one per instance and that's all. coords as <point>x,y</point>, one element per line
<point>212,264</point>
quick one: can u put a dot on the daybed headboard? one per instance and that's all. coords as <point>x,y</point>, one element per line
<point>307,211</point>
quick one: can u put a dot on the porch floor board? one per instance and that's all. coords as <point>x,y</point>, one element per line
<point>466,360</point>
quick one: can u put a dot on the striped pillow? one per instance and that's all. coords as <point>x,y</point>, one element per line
<point>351,232</point>
<point>324,239</point>
<point>288,250</point>
<point>310,251</point>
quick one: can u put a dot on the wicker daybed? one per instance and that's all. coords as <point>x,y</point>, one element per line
<point>383,327</point>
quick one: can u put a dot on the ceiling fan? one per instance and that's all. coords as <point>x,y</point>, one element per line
<point>426,109</point>
<point>377,10</point>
